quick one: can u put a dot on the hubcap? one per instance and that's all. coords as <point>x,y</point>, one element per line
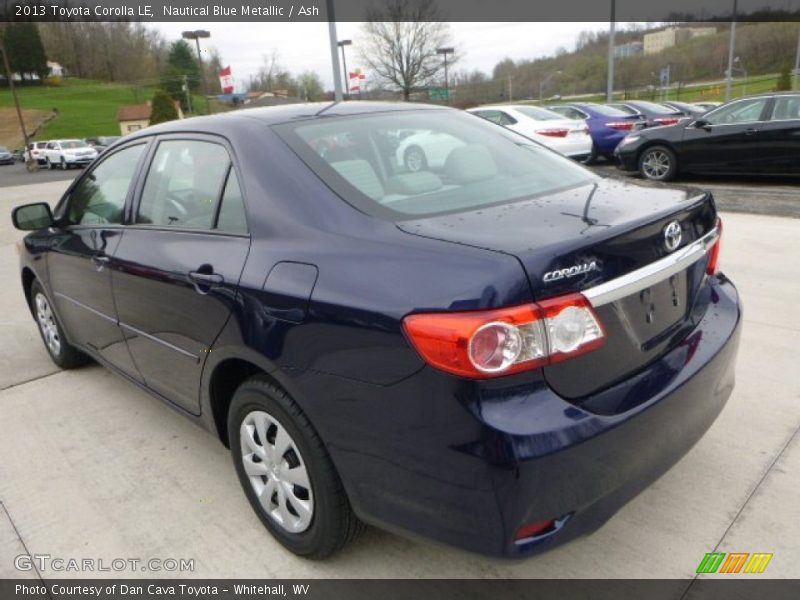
<point>47,323</point>
<point>277,471</point>
<point>656,164</point>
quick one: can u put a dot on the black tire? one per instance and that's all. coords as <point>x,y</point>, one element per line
<point>67,356</point>
<point>593,155</point>
<point>333,523</point>
<point>63,164</point>
<point>414,159</point>
<point>49,164</point>
<point>658,163</point>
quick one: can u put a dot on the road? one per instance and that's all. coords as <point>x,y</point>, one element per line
<point>94,467</point>
<point>17,174</point>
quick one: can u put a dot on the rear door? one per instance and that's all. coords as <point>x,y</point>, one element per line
<point>177,269</point>
<point>780,136</point>
<point>80,257</point>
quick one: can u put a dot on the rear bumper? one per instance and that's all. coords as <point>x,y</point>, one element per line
<point>469,463</point>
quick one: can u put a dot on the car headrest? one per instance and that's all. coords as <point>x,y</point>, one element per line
<point>361,175</point>
<point>470,163</point>
<point>412,184</point>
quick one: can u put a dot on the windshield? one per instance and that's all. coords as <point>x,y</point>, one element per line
<point>540,114</point>
<point>657,108</point>
<point>69,144</point>
<point>408,164</point>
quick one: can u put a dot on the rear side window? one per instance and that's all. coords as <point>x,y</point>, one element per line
<point>99,198</point>
<point>786,108</point>
<point>183,184</point>
<point>745,111</point>
<point>231,217</point>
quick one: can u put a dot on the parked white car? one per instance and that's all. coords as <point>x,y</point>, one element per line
<point>567,136</point>
<point>68,153</point>
<point>35,151</point>
<point>426,150</point>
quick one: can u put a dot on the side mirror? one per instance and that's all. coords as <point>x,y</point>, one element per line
<point>31,217</point>
<point>701,124</point>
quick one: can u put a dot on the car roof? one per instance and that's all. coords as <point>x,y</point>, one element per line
<point>275,115</point>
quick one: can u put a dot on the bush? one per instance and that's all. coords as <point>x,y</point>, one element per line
<point>163,108</point>
<point>54,81</point>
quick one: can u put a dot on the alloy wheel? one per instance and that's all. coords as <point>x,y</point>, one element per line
<point>656,164</point>
<point>277,471</point>
<point>47,324</point>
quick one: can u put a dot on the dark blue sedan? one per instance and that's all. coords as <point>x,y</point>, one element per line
<point>496,352</point>
<point>607,125</point>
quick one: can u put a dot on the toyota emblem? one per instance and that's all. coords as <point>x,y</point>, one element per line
<point>672,236</point>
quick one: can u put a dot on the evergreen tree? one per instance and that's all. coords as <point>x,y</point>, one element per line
<point>26,54</point>
<point>180,62</point>
<point>163,108</point>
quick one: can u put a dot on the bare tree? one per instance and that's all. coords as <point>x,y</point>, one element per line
<point>401,41</point>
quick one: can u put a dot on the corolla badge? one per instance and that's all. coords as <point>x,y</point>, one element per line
<point>572,271</point>
<point>672,236</point>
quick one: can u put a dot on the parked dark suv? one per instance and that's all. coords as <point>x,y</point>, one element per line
<point>496,353</point>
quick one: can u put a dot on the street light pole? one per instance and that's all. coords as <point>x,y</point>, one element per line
<point>543,82</point>
<point>196,35</point>
<point>337,74</point>
<point>611,31</point>
<point>731,51</point>
<point>341,45</point>
<point>445,52</point>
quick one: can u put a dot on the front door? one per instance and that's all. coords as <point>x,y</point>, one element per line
<point>79,261</point>
<point>729,142</point>
<point>177,268</point>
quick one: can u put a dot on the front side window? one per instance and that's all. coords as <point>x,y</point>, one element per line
<point>99,199</point>
<point>786,108</point>
<point>445,161</point>
<point>745,111</point>
<point>183,184</point>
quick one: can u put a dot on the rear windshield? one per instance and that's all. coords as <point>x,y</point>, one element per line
<point>540,114</point>
<point>609,111</point>
<point>407,164</point>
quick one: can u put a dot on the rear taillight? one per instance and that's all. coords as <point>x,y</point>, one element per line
<point>713,253</point>
<point>491,343</point>
<point>667,120</point>
<point>553,132</point>
<point>621,125</point>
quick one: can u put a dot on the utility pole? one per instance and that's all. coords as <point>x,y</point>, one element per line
<point>444,52</point>
<point>13,89</point>
<point>337,73</point>
<point>611,31</point>
<point>196,35</point>
<point>731,52</point>
<point>187,94</point>
<point>797,64</point>
<point>510,88</point>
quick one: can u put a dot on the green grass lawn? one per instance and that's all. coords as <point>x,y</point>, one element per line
<point>85,108</point>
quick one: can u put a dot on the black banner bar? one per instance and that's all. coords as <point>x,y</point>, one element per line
<point>357,10</point>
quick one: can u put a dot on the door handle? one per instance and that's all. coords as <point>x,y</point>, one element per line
<point>100,260</point>
<point>210,279</point>
<point>750,131</point>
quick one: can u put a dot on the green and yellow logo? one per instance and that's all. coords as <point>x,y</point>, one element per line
<point>734,562</point>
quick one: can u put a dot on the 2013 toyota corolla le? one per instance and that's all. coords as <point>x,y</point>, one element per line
<point>496,354</point>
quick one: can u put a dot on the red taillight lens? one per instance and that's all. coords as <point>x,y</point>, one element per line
<point>535,529</point>
<point>559,133</point>
<point>492,343</point>
<point>621,125</point>
<point>713,253</point>
<point>667,120</point>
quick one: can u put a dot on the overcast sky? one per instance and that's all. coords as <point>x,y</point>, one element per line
<point>305,46</point>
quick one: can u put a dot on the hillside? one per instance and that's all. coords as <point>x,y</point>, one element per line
<point>10,134</point>
<point>84,107</point>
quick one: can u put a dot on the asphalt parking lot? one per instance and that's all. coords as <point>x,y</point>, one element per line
<point>92,467</point>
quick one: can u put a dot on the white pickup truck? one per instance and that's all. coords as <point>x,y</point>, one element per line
<point>68,153</point>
